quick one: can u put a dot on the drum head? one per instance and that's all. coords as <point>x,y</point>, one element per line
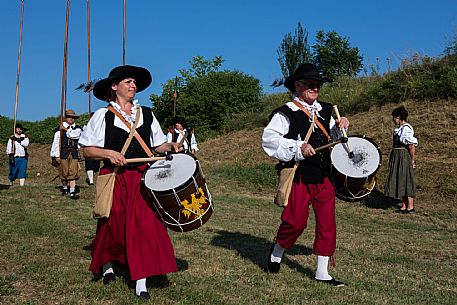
<point>366,159</point>
<point>165,175</point>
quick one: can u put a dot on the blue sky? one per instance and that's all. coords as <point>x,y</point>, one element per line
<point>164,36</point>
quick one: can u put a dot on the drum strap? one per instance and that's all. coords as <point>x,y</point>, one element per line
<point>129,139</point>
<point>316,121</point>
<point>136,134</point>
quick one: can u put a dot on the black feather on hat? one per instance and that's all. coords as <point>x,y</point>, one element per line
<point>305,71</point>
<point>141,75</point>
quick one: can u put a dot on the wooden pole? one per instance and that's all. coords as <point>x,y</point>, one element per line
<point>125,32</point>
<point>18,68</point>
<point>64,70</point>
<point>88,55</point>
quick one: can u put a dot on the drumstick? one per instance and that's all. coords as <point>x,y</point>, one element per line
<point>136,160</point>
<point>326,146</point>
<point>350,152</point>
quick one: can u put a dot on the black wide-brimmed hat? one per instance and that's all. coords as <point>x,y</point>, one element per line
<point>19,125</point>
<point>304,71</point>
<point>180,120</point>
<point>141,75</point>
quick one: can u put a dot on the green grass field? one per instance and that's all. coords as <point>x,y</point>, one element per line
<point>384,257</point>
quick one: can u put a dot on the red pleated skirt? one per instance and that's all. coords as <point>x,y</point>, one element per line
<point>133,235</point>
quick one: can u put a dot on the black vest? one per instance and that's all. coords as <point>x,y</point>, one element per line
<point>68,146</point>
<point>115,137</point>
<point>317,167</point>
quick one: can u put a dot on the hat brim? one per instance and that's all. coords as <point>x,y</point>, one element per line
<point>141,75</point>
<point>72,116</point>
<point>289,83</point>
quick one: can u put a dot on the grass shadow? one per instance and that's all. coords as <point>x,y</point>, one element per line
<point>377,200</point>
<point>256,249</point>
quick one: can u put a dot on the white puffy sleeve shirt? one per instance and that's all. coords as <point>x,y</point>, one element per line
<point>406,134</point>
<point>19,147</point>
<point>94,133</point>
<point>283,149</point>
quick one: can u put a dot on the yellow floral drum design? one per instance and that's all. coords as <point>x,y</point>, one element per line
<point>179,192</point>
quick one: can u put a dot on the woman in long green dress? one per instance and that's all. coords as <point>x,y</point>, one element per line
<point>401,182</point>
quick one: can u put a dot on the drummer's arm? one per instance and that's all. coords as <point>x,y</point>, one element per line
<point>167,147</point>
<point>337,127</point>
<point>97,153</point>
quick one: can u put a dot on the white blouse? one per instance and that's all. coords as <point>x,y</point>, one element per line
<point>94,132</point>
<point>406,133</point>
<point>19,147</point>
<point>278,147</point>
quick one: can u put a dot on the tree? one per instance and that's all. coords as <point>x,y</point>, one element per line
<point>207,97</point>
<point>334,56</point>
<point>293,51</point>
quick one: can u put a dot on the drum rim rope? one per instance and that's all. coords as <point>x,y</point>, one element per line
<point>176,223</point>
<point>345,187</point>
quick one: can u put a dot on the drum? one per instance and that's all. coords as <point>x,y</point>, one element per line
<point>179,192</point>
<point>354,176</point>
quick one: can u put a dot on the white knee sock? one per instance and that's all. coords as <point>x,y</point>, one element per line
<point>90,176</point>
<point>322,268</point>
<point>21,181</point>
<point>140,286</point>
<point>276,255</point>
<point>107,268</point>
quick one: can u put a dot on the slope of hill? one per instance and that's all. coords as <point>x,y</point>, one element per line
<point>435,124</point>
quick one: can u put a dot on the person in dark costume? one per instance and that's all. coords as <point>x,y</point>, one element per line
<point>133,235</point>
<point>401,182</point>
<point>284,139</point>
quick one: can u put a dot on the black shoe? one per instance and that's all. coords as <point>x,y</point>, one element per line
<point>73,196</point>
<point>144,295</point>
<point>332,282</point>
<point>272,267</point>
<point>109,278</point>
<point>410,211</point>
<point>65,192</point>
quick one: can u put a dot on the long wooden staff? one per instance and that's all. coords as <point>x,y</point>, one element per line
<point>18,68</point>
<point>64,72</point>
<point>88,55</point>
<point>124,32</point>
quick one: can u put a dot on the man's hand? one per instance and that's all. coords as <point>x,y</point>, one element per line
<point>307,150</point>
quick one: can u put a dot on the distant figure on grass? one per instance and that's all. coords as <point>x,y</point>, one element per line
<point>401,182</point>
<point>64,153</point>
<point>16,149</point>
<point>294,131</point>
<point>180,131</point>
<point>133,235</point>
<point>91,166</point>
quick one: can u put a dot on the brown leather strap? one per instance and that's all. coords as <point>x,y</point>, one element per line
<point>137,135</point>
<point>316,121</point>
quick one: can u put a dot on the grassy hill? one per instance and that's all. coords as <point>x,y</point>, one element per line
<point>385,257</point>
